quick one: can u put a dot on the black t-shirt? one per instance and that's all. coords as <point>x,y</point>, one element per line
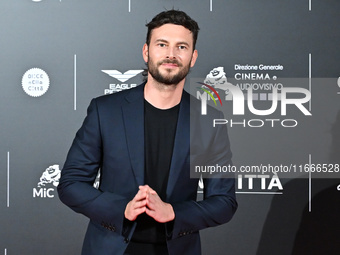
<point>159,133</point>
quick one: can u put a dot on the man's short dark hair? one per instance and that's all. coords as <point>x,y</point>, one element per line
<point>173,17</point>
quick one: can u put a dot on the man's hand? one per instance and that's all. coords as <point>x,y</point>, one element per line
<point>137,205</point>
<point>148,201</point>
<point>157,209</point>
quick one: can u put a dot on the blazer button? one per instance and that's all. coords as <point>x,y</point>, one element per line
<point>126,240</point>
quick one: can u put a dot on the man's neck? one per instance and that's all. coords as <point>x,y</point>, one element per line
<point>163,96</point>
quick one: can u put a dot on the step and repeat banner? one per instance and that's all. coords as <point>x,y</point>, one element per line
<point>272,67</point>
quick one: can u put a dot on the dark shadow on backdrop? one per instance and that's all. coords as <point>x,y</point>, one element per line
<point>283,218</point>
<point>291,229</point>
<point>319,231</point>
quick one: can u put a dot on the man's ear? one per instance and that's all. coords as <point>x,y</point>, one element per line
<point>145,53</point>
<point>194,58</point>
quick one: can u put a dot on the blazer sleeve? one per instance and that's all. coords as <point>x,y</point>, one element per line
<point>83,161</point>
<point>219,203</point>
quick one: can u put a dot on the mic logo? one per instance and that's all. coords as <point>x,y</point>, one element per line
<point>50,176</point>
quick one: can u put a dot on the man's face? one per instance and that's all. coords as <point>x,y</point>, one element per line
<point>170,54</point>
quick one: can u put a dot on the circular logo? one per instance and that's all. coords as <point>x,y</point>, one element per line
<point>35,82</point>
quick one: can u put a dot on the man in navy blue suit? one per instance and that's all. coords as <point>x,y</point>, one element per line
<point>141,141</point>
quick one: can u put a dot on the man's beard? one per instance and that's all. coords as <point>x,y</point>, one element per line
<point>169,79</point>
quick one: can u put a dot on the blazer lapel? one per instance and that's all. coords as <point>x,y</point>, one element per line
<point>181,144</point>
<point>133,116</point>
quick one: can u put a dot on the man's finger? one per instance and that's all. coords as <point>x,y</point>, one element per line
<point>140,210</point>
<point>152,191</point>
<point>139,204</point>
<point>153,197</point>
<point>141,194</point>
<point>144,187</point>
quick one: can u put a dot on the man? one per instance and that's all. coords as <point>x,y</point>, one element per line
<point>140,141</point>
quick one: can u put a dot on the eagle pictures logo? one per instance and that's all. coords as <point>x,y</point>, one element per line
<point>123,78</point>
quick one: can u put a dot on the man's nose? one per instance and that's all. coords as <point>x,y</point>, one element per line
<point>171,54</point>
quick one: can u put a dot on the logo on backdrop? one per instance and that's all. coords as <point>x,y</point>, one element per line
<point>49,180</point>
<point>339,84</point>
<point>122,77</point>
<point>215,80</point>
<point>254,183</point>
<point>251,87</point>
<point>35,82</point>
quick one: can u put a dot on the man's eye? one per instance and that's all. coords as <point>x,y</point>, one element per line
<point>161,45</point>
<point>182,47</point>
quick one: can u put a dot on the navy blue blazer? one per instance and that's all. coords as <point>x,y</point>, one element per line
<point>112,139</point>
